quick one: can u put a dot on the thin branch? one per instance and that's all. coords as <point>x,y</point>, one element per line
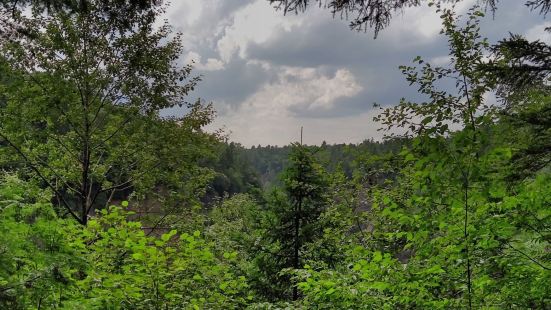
<point>117,130</point>
<point>129,181</point>
<point>7,288</point>
<point>65,147</point>
<point>528,256</point>
<point>41,176</point>
<point>108,199</point>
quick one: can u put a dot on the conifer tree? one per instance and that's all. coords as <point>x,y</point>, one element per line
<point>298,223</point>
<point>377,14</point>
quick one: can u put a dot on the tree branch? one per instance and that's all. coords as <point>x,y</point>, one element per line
<point>41,176</point>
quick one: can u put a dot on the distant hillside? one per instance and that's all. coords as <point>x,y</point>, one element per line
<point>268,161</point>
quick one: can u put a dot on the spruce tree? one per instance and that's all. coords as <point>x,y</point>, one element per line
<point>297,218</point>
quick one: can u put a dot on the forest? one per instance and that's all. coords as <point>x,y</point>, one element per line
<point>107,203</point>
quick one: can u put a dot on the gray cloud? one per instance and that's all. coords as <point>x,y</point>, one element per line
<point>273,71</point>
<point>233,84</point>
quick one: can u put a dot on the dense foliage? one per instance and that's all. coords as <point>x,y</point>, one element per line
<point>48,262</point>
<point>104,204</point>
<point>81,100</point>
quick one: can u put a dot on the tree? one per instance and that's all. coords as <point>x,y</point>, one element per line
<point>522,70</point>
<point>526,117</point>
<point>518,63</point>
<point>377,14</point>
<point>430,122</point>
<point>83,100</point>
<point>35,256</point>
<point>449,231</point>
<point>296,222</point>
<point>453,193</point>
<point>234,172</point>
<point>79,5</point>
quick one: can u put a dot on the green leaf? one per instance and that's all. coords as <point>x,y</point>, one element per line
<point>381,286</point>
<point>330,291</point>
<point>434,270</point>
<point>427,120</point>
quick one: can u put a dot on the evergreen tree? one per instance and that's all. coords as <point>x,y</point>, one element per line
<point>522,69</point>
<point>297,218</point>
<point>377,14</point>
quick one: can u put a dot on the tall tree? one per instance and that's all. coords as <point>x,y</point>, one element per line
<point>450,232</point>
<point>82,104</point>
<point>457,177</point>
<point>297,217</point>
<point>522,70</point>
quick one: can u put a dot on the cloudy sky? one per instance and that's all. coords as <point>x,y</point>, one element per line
<point>268,74</point>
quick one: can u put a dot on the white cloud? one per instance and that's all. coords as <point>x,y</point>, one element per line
<point>219,36</point>
<point>268,115</point>
<point>202,22</point>
<point>212,64</point>
<point>256,22</point>
<point>285,130</point>
<point>420,24</point>
<point>189,11</point>
<point>302,88</point>
<point>441,60</point>
<point>538,33</point>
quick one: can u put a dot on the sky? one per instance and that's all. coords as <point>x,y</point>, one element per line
<point>267,74</point>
